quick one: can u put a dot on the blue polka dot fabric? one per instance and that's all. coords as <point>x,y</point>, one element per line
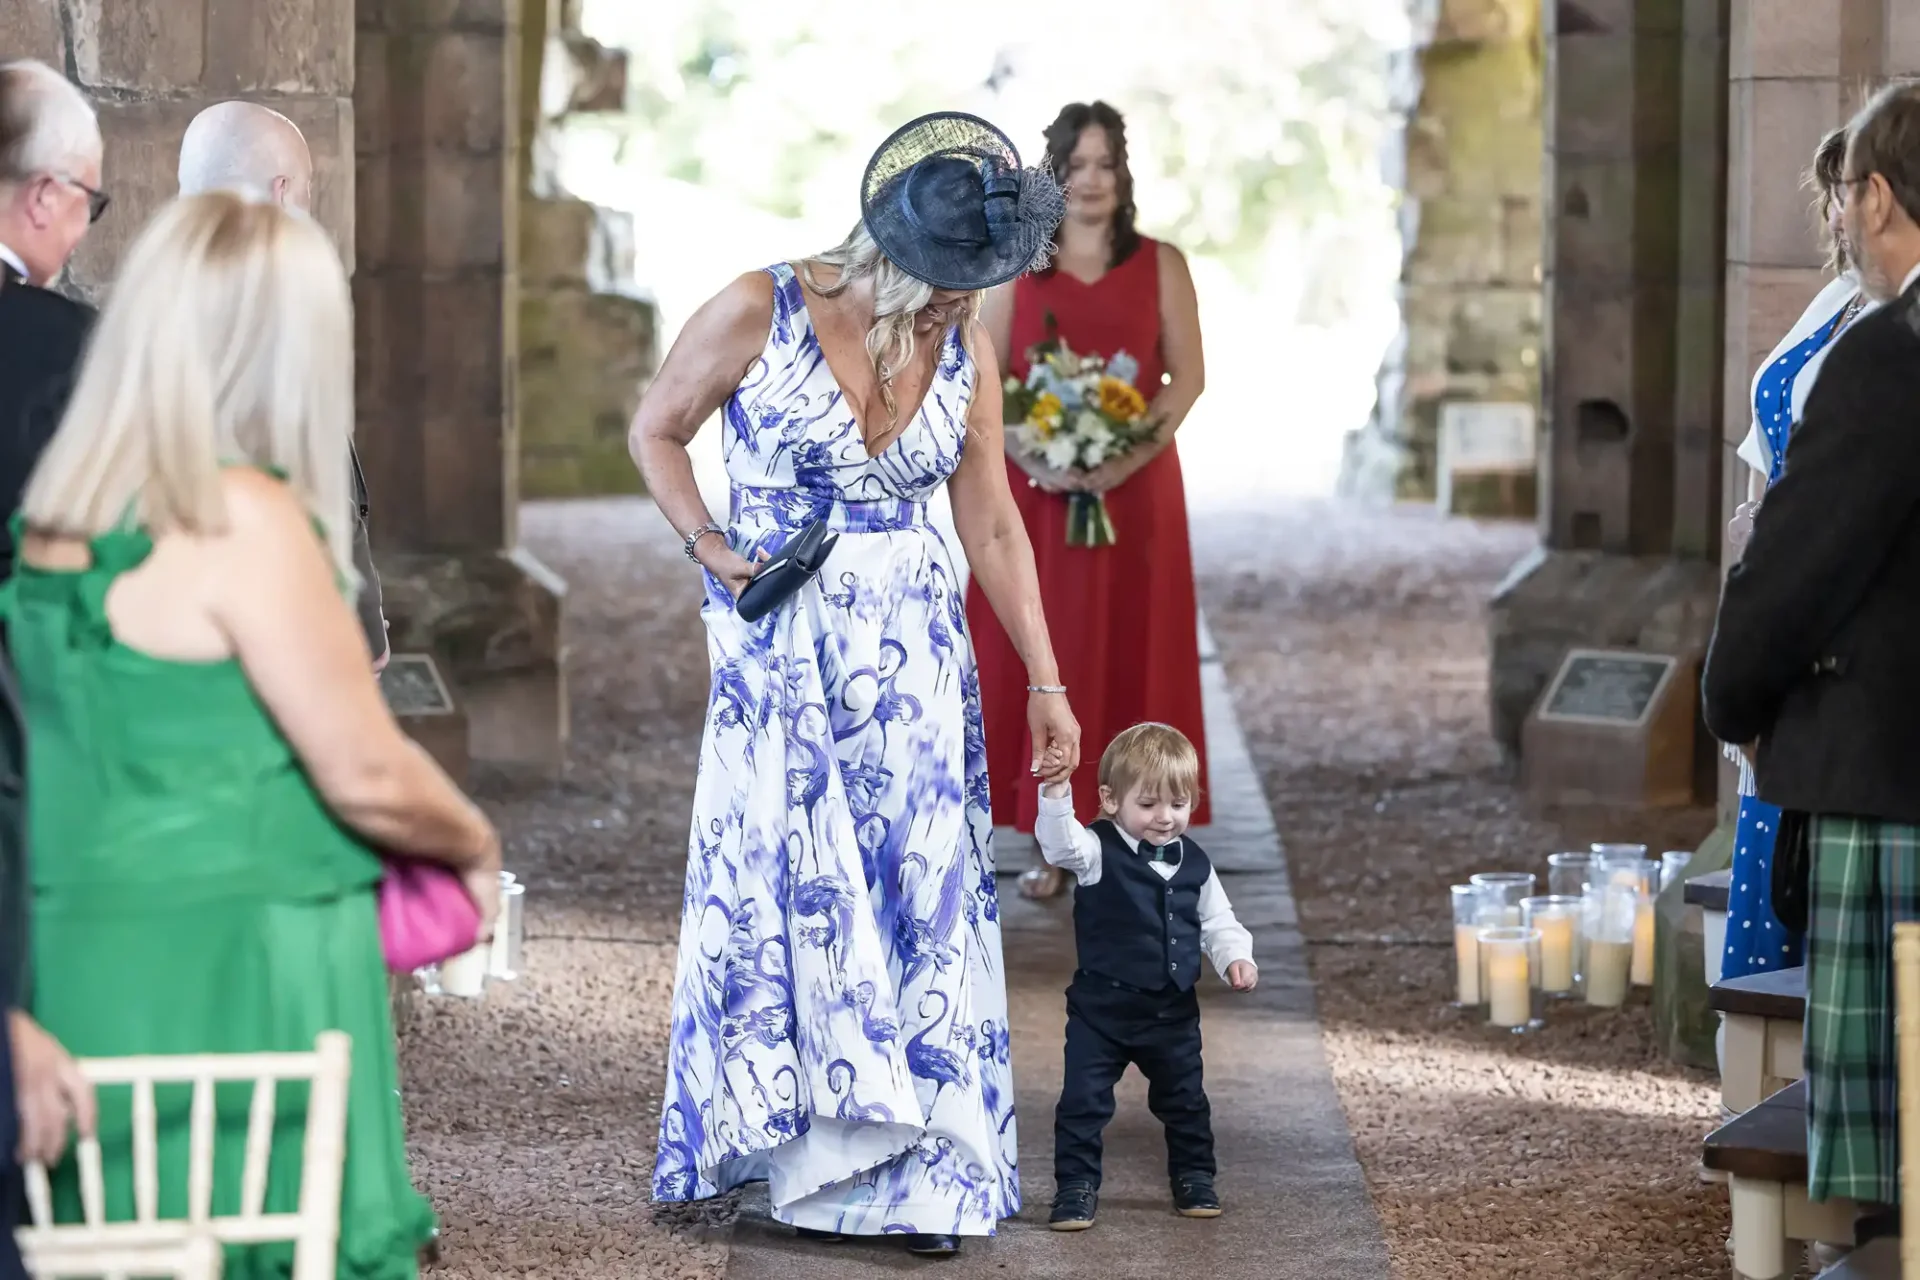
<point>1756,940</point>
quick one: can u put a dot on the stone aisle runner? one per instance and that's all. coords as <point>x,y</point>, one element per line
<point>1296,1204</point>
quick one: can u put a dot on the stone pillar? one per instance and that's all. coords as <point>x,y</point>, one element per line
<point>1467,160</point>
<point>436,305</point>
<point>1629,478</point>
<point>587,336</point>
<point>1797,70</point>
<point>150,66</point>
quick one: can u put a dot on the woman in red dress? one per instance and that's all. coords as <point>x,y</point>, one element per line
<point>1123,616</point>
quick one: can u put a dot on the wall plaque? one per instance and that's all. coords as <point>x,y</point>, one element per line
<point>1613,726</point>
<point>422,702</point>
<point>413,687</point>
<point>1600,686</point>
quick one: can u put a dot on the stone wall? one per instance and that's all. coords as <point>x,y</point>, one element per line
<point>1467,157</point>
<point>150,66</point>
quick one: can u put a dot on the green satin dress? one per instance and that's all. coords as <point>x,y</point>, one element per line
<point>192,894</point>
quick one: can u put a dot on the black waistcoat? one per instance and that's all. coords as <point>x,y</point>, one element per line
<point>1135,926</point>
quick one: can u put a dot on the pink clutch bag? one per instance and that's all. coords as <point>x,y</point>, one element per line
<point>426,915</point>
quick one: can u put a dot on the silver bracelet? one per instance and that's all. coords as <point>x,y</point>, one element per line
<point>1046,688</point>
<point>698,534</point>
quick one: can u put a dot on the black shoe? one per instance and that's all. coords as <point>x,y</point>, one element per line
<point>818,1237</point>
<point>1876,1225</point>
<point>933,1246</point>
<point>1193,1196</point>
<point>1073,1207</point>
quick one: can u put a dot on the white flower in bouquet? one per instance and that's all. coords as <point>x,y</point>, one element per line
<point>1061,452</point>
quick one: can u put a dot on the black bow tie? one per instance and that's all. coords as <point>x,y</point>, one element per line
<point>1168,853</point>
<point>9,274</point>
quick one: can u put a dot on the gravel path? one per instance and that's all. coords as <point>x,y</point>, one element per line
<point>1355,643</point>
<point>532,1112</point>
<point>1356,647</point>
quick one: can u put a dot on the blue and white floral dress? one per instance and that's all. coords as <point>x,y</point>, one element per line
<point>1756,940</point>
<point>840,1015</point>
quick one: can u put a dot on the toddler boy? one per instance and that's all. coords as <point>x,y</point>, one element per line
<point>1146,905</point>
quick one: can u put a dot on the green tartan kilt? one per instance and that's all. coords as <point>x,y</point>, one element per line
<point>1865,876</point>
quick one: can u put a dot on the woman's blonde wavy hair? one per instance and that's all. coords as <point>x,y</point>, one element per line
<point>227,339</point>
<point>897,299</point>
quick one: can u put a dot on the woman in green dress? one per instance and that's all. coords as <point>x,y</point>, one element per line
<point>211,764</point>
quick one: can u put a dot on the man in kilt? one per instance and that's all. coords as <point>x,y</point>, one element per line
<point>1815,665</point>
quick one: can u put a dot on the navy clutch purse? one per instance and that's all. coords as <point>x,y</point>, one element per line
<point>778,579</point>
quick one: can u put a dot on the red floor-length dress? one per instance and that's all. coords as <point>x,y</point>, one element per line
<point>1123,617</point>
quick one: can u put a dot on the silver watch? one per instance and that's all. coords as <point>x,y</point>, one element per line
<point>694,537</point>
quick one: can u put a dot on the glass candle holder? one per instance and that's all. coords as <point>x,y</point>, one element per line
<point>1607,917</point>
<point>1506,977</point>
<point>1567,873</point>
<point>509,930</point>
<point>1555,920</point>
<point>1637,873</point>
<point>1501,895</point>
<point>1466,945</point>
<point>1618,852</point>
<point>1673,866</point>
<point>466,974</point>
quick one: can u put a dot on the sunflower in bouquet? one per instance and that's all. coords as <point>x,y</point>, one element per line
<point>1074,413</point>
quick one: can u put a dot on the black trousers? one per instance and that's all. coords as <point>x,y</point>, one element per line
<point>1110,1026</point>
<point>12,1194</point>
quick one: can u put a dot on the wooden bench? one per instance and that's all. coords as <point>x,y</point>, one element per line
<point>1763,1154</point>
<point>1879,1260</point>
<point>1764,1015</point>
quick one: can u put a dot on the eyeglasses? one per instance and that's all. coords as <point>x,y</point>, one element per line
<point>97,200</point>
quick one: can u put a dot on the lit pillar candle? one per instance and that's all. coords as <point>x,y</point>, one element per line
<point>1608,967</point>
<point>1643,943</point>
<point>1509,993</point>
<point>1466,959</point>
<point>1556,952</point>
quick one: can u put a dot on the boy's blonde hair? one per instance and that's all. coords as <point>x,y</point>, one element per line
<point>1151,755</point>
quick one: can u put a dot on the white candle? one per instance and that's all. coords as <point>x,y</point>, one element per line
<point>1556,952</point>
<point>1509,995</point>
<point>466,973</point>
<point>1466,962</point>
<point>1608,966</point>
<point>1643,944</point>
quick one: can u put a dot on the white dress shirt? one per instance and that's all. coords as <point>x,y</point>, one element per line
<point>1066,844</point>
<point>15,261</point>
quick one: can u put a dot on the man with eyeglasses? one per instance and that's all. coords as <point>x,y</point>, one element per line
<point>50,156</point>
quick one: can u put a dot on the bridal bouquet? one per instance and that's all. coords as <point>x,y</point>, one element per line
<point>1074,413</point>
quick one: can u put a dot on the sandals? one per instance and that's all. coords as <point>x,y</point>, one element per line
<point>1043,882</point>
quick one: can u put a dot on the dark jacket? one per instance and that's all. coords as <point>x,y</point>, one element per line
<point>371,620</point>
<point>1816,652</point>
<point>42,337</point>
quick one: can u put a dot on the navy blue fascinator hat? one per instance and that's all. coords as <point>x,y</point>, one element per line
<point>947,200</point>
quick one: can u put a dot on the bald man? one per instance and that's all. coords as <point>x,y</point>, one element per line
<point>242,146</point>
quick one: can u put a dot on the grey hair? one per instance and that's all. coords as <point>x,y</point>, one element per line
<point>897,299</point>
<point>46,124</point>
